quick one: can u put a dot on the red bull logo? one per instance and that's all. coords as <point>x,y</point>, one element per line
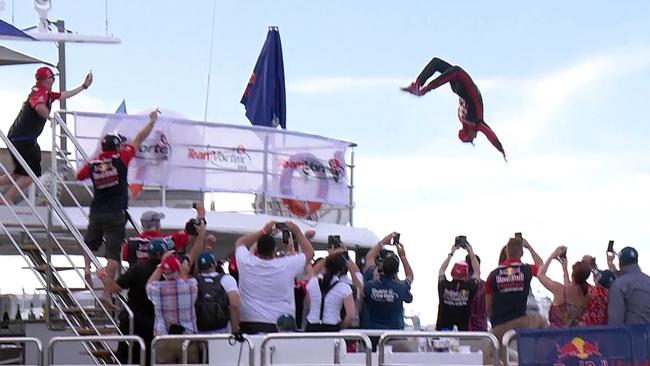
<point>578,348</point>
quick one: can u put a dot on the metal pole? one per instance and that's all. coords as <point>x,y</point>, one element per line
<point>265,169</point>
<point>60,26</point>
<point>351,204</point>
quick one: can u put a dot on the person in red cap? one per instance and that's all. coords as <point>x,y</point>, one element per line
<point>455,297</point>
<point>29,124</point>
<point>174,300</point>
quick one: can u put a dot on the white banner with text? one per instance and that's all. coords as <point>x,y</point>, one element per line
<point>212,157</point>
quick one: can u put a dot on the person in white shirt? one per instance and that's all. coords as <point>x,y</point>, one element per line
<point>221,300</point>
<point>265,281</point>
<point>329,294</point>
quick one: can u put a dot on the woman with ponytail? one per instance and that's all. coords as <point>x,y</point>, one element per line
<point>328,295</point>
<point>570,299</point>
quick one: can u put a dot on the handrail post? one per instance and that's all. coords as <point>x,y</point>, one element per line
<point>462,335</point>
<point>187,338</point>
<point>351,203</point>
<point>345,335</point>
<point>118,338</point>
<point>25,341</point>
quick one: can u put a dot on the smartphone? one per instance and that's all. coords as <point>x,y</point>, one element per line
<point>610,247</point>
<point>285,236</point>
<point>333,241</point>
<point>519,236</point>
<point>396,239</point>
<point>563,254</point>
<point>461,241</point>
<point>593,263</point>
<point>281,226</point>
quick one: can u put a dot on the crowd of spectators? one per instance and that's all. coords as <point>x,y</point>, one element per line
<point>177,286</point>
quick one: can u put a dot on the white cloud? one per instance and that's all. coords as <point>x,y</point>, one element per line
<point>352,83</point>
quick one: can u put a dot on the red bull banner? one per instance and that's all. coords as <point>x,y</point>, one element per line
<point>592,346</point>
<point>214,157</point>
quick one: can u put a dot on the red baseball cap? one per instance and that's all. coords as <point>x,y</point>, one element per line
<point>170,265</point>
<point>459,271</point>
<point>43,73</point>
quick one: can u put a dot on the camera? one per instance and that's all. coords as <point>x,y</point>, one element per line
<point>396,239</point>
<point>190,226</point>
<point>333,241</point>
<point>461,241</point>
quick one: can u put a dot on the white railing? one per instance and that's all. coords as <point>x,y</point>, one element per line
<point>315,336</point>
<point>25,341</point>
<point>187,338</point>
<point>103,339</point>
<point>388,336</point>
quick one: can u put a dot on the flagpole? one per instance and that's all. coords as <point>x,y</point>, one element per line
<point>207,88</point>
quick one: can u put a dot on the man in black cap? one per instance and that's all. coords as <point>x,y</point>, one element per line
<point>629,295</point>
<point>107,217</point>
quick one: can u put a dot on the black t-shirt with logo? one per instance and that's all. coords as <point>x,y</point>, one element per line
<point>454,303</point>
<point>108,173</point>
<point>135,280</point>
<point>509,286</point>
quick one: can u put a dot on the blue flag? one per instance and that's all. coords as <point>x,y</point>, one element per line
<point>122,108</point>
<point>8,31</point>
<point>265,97</point>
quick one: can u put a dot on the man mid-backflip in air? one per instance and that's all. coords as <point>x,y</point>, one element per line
<point>470,102</point>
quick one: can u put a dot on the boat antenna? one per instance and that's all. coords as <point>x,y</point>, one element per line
<point>207,87</point>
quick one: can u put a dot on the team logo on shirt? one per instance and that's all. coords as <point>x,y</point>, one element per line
<point>510,279</point>
<point>455,298</point>
<point>384,295</point>
<point>104,174</point>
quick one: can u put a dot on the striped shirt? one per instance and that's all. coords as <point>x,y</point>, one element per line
<point>173,302</point>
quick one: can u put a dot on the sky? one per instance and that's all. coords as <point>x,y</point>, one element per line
<point>565,86</point>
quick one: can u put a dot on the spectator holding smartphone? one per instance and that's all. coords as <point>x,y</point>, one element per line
<point>385,297</point>
<point>570,298</point>
<point>507,289</point>
<point>266,282</point>
<point>455,297</point>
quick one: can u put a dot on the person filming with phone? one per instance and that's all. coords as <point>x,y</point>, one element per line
<point>507,288</point>
<point>266,281</point>
<point>455,297</point>
<point>570,297</point>
<point>385,297</point>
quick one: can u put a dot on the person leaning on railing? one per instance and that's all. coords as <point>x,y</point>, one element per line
<point>29,124</point>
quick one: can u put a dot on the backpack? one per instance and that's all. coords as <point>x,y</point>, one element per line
<point>212,309</point>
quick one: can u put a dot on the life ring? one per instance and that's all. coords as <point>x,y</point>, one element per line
<point>297,207</point>
<point>302,208</point>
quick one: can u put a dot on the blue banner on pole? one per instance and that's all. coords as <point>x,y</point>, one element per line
<point>265,96</point>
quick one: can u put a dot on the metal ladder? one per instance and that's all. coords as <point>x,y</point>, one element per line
<point>38,233</point>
